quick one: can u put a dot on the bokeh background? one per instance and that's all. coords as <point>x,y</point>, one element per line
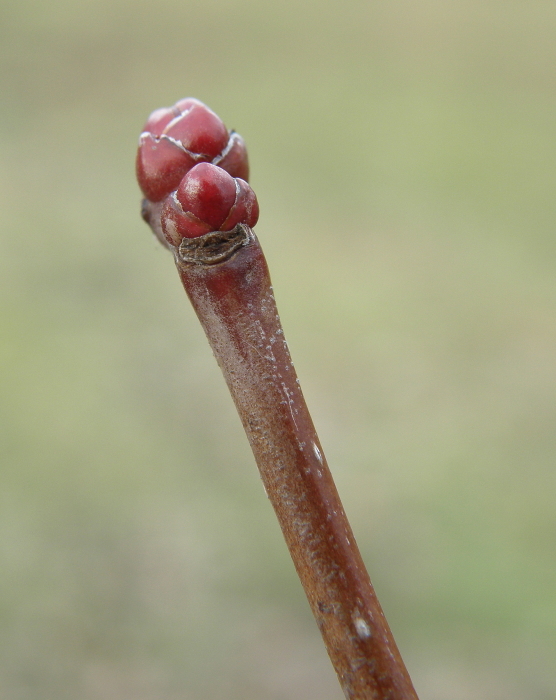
<point>404,156</point>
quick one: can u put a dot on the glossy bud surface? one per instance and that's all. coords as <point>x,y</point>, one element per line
<point>175,139</point>
<point>207,199</point>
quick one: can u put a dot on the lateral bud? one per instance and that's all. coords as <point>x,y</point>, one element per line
<point>207,199</point>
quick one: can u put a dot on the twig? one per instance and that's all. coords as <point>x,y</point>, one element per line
<point>226,277</point>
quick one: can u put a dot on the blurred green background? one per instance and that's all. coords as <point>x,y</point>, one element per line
<point>404,156</point>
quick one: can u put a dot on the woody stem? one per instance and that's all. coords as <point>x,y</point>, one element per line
<point>233,298</point>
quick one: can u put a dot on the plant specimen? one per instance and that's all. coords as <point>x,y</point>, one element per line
<point>194,173</point>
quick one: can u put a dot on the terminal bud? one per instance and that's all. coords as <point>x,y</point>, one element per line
<point>175,139</point>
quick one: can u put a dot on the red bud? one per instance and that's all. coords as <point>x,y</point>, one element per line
<point>207,199</point>
<point>175,139</point>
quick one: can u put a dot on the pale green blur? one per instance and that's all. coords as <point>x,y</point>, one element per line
<point>404,158</point>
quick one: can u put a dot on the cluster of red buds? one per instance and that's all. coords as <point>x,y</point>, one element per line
<point>196,171</point>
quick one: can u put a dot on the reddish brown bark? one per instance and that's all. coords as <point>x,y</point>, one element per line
<point>234,301</point>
